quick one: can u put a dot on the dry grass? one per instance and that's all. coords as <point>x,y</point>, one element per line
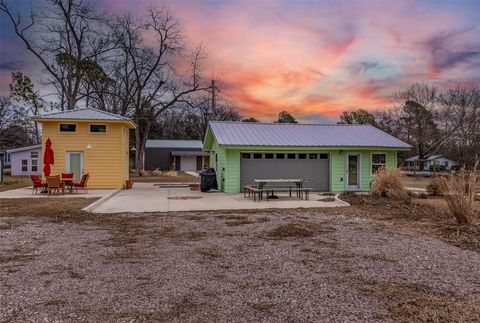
<point>56,209</point>
<point>301,229</point>
<point>208,252</point>
<point>14,182</point>
<point>387,183</point>
<point>459,190</point>
<point>427,216</point>
<point>418,303</point>
<point>165,177</point>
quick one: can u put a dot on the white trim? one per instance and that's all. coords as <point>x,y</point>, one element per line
<point>69,132</point>
<point>67,165</point>
<point>371,160</point>
<point>97,124</point>
<point>359,172</point>
<point>34,147</point>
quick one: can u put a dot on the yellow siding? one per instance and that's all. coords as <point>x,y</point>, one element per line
<point>107,159</point>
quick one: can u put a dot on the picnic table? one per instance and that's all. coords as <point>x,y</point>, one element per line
<point>261,183</point>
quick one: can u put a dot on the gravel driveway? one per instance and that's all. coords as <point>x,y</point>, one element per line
<point>252,266</point>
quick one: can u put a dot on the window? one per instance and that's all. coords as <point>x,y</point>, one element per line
<point>268,156</point>
<point>323,156</point>
<point>312,156</point>
<point>245,156</point>
<point>7,158</point>
<point>378,161</point>
<point>291,156</point>
<point>34,154</point>
<point>280,156</point>
<point>34,165</point>
<point>257,156</point>
<point>68,127</point>
<point>98,128</point>
<point>302,156</point>
<point>24,165</point>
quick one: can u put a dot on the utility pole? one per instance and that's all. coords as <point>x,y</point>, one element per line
<point>213,116</point>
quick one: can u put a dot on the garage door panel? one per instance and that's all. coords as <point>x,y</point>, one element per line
<point>315,171</point>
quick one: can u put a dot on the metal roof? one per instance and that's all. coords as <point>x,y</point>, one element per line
<point>302,135</point>
<point>82,114</point>
<point>16,150</point>
<point>189,144</point>
<point>189,153</point>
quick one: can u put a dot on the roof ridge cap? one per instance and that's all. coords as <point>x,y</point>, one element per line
<point>293,124</point>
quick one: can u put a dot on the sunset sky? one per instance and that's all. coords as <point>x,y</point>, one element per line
<point>312,58</point>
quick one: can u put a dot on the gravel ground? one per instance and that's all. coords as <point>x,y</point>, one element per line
<point>243,267</point>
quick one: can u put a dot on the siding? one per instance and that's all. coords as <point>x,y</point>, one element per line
<point>107,160</point>
<point>228,165</point>
<point>16,162</point>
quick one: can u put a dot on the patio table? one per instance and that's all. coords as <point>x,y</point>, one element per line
<point>68,182</point>
<point>297,181</point>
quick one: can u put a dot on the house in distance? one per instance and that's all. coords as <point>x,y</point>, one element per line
<point>185,155</point>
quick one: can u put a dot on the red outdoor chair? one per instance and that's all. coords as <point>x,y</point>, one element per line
<point>37,183</point>
<point>82,184</point>
<point>69,183</point>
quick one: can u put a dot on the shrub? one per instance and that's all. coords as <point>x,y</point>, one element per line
<point>387,183</point>
<point>459,191</point>
<point>434,188</point>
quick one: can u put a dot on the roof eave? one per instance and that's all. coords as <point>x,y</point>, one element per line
<point>130,123</point>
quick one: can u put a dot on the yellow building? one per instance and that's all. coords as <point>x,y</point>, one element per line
<point>89,141</point>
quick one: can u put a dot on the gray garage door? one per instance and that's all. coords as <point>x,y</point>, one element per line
<point>314,167</point>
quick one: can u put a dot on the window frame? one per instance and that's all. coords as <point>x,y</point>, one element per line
<point>375,166</point>
<point>97,132</point>
<point>32,165</point>
<point>22,165</point>
<point>36,154</point>
<point>67,131</point>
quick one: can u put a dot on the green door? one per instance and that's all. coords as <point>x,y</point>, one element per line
<point>75,164</point>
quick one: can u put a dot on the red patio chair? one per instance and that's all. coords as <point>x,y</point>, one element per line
<point>69,183</point>
<point>82,184</point>
<point>37,183</point>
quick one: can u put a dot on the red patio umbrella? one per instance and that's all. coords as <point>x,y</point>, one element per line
<point>48,157</point>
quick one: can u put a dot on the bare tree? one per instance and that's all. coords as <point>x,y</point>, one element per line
<point>148,78</point>
<point>67,39</point>
<point>23,90</point>
<point>15,126</point>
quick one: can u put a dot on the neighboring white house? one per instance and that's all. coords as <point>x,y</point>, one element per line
<point>440,161</point>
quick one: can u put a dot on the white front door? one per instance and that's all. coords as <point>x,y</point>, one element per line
<point>188,163</point>
<point>353,172</point>
<point>75,164</point>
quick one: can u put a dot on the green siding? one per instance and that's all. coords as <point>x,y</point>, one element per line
<point>227,165</point>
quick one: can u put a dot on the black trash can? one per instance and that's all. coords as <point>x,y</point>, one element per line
<point>208,180</point>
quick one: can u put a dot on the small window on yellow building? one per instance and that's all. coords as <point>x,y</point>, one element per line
<point>98,128</point>
<point>68,127</point>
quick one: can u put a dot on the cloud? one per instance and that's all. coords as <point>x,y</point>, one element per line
<point>448,49</point>
<point>11,65</point>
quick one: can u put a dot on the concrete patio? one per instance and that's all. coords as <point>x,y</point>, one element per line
<point>26,192</point>
<point>148,197</point>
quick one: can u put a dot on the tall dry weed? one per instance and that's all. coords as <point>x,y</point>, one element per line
<point>459,190</point>
<point>387,183</point>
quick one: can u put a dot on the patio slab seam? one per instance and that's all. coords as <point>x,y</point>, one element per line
<point>102,200</point>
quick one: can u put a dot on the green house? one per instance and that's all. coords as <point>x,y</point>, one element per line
<point>333,158</point>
